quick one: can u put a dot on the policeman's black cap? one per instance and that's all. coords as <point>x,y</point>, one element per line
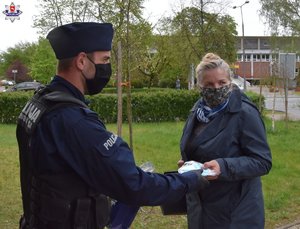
<point>70,39</point>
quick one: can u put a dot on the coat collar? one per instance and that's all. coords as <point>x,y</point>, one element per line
<point>235,101</point>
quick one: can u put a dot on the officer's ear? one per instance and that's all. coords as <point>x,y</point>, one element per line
<point>80,60</point>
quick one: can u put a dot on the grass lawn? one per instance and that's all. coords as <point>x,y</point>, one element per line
<point>159,143</point>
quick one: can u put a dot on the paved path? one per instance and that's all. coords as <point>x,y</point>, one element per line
<point>293,102</point>
<point>295,225</point>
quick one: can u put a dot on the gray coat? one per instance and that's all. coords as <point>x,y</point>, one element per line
<point>236,138</point>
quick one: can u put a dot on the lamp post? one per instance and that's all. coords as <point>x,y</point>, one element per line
<point>243,43</point>
<point>14,71</point>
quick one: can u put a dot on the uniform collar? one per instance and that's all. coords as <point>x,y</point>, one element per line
<point>60,84</point>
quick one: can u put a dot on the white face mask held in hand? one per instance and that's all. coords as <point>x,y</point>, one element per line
<point>193,165</point>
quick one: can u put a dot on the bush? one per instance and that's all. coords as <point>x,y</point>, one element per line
<point>138,83</point>
<point>147,105</point>
<point>167,83</point>
<point>153,105</point>
<point>11,105</point>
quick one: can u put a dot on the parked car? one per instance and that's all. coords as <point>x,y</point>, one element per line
<point>25,86</point>
<point>7,83</point>
<point>239,81</point>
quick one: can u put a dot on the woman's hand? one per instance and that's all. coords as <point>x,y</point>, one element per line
<point>213,165</point>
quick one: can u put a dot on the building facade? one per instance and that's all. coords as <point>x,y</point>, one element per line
<point>257,56</point>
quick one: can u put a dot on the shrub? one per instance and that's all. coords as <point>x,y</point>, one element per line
<point>166,83</point>
<point>153,105</point>
<point>11,105</point>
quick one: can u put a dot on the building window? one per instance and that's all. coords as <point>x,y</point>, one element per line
<point>248,57</point>
<point>264,43</point>
<point>251,43</point>
<point>256,57</point>
<point>239,57</point>
<point>265,57</point>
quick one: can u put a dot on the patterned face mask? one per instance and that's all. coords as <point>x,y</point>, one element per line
<point>215,96</point>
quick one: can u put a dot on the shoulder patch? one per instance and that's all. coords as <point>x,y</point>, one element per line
<point>109,143</point>
<point>31,114</point>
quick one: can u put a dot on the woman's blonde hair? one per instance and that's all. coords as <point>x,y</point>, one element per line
<point>211,61</point>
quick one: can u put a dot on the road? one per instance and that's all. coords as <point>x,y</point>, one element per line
<point>293,102</point>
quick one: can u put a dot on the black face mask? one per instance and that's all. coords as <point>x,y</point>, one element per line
<point>102,76</point>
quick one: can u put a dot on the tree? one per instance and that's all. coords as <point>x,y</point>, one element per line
<point>193,32</point>
<point>206,32</point>
<point>21,73</point>
<point>20,54</point>
<point>32,61</point>
<point>43,62</point>
<point>128,19</point>
<point>125,15</point>
<point>152,65</point>
<point>53,13</point>
<point>283,17</point>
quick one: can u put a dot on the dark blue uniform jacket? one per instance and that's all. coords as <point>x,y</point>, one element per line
<point>73,138</point>
<point>236,138</point>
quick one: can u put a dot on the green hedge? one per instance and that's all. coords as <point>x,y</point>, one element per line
<point>11,104</point>
<point>147,106</point>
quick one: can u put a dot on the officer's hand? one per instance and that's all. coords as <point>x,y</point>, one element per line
<point>203,181</point>
<point>180,163</point>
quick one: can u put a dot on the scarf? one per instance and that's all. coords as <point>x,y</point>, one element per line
<point>205,114</point>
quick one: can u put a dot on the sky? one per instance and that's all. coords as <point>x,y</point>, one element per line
<point>21,30</point>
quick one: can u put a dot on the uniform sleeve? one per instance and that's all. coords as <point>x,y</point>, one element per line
<point>255,159</point>
<point>105,162</point>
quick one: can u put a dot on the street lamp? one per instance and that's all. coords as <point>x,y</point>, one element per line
<point>14,71</point>
<point>243,38</point>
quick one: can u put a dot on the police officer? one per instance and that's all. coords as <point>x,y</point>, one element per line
<point>69,163</point>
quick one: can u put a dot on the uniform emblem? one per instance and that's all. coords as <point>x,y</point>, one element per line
<point>30,115</point>
<point>12,12</point>
<point>110,141</point>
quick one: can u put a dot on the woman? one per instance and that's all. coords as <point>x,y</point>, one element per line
<point>226,133</point>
